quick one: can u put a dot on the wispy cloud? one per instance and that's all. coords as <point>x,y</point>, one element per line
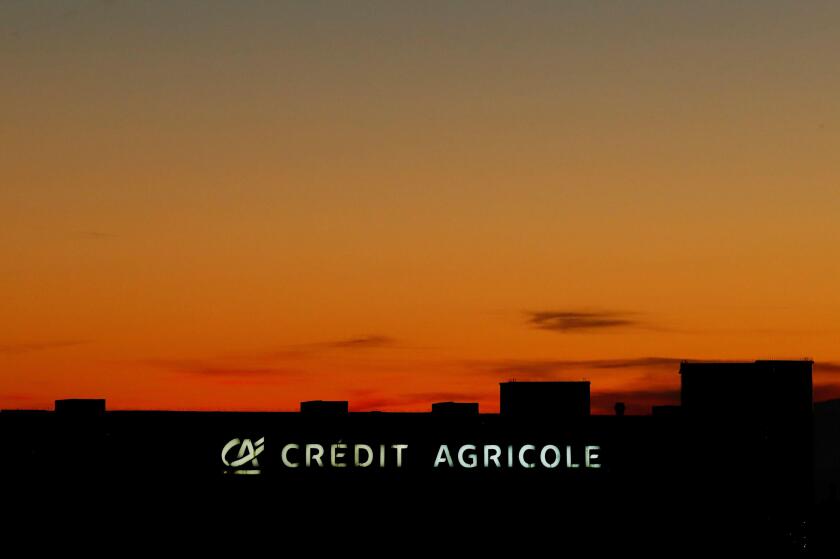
<point>30,347</point>
<point>263,363</point>
<point>211,368</point>
<point>360,342</point>
<point>345,344</point>
<point>579,320</point>
<point>552,368</point>
<point>826,367</point>
<point>16,397</point>
<point>826,385</point>
<point>370,401</point>
<point>823,392</point>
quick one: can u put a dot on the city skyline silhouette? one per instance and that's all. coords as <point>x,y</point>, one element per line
<point>744,445</point>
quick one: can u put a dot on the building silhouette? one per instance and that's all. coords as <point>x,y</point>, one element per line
<point>566,399</point>
<point>455,408</point>
<point>762,390</point>
<point>80,407</point>
<point>324,407</point>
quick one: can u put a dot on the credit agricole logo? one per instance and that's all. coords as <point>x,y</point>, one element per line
<point>246,456</point>
<point>239,456</point>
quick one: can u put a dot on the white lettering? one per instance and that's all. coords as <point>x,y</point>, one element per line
<point>400,448</point>
<point>285,455</point>
<point>337,453</point>
<point>569,463</point>
<point>555,450</point>
<point>473,462</point>
<point>495,458</point>
<point>443,456</point>
<point>591,456</point>
<point>316,457</point>
<point>369,451</point>
<point>522,451</point>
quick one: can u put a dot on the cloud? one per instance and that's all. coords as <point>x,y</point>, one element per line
<point>30,347</point>
<point>252,365</point>
<point>214,369</point>
<point>825,391</point>
<point>360,342</point>
<point>576,320</point>
<point>16,397</point>
<point>631,362</point>
<point>551,368</point>
<point>371,401</point>
<point>345,344</point>
<point>827,367</point>
<point>638,400</point>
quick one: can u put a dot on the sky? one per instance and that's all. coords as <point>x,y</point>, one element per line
<point>243,205</point>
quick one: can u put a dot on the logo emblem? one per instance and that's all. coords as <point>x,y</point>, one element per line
<point>248,452</point>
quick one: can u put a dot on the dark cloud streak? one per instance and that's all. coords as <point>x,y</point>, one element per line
<point>367,401</point>
<point>211,369</point>
<point>549,368</point>
<point>347,344</point>
<point>826,367</point>
<point>576,320</point>
<point>360,342</point>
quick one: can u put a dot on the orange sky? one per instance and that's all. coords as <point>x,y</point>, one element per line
<point>244,206</point>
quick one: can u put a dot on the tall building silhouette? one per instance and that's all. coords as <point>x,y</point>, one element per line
<point>763,390</point>
<point>752,424</point>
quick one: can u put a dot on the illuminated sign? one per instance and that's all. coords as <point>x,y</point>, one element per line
<point>467,456</point>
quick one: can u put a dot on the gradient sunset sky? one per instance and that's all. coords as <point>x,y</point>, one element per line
<point>242,205</point>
